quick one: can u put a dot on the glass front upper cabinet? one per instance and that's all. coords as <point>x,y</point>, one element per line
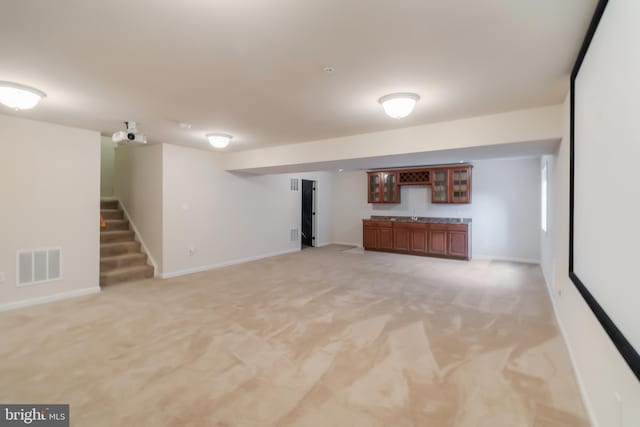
<point>440,187</point>
<point>383,187</point>
<point>374,187</point>
<point>391,191</point>
<point>460,185</point>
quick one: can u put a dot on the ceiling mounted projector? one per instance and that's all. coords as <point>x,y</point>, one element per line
<point>130,135</point>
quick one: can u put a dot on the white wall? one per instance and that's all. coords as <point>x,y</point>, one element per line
<point>223,217</point>
<point>107,164</point>
<point>546,238</point>
<point>601,371</point>
<point>138,186</point>
<point>49,182</point>
<point>505,208</point>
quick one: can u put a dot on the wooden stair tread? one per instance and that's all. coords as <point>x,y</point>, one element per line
<point>121,258</point>
<point>117,232</point>
<point>129,259</point>
<point>124,256</point>
<point>126,274</point>
<point>116,224</point>
<point>115,244</point>
<point>126,270</point>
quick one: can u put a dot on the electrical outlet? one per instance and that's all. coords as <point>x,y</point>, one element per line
<point>192,251</point>
<point>2,278</point>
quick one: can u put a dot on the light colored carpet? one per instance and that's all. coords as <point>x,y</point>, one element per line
<point>322,337</point>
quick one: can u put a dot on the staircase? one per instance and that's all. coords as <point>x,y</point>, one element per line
<point>121,259</point>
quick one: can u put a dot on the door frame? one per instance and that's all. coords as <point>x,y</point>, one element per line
<point>314,211</point>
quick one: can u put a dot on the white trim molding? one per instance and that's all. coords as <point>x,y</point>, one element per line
<point>583,393</point>
<point>482,257</point>
<point>49,298</point>
<point>357,245</point>
<point>225,264</point>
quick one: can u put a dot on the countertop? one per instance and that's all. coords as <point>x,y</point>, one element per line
<point>432,220</point>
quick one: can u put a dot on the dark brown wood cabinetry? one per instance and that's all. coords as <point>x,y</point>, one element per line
<point>383,187</point>
<point>378,234</point>
<point>437,242</point>
<point>449,184</point>
<point>419,238</point>
<point>410,237</point>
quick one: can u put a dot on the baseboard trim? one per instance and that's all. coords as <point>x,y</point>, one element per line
<point>483,257</point>
<point>138,236</point>
<point>49,298</point>
<point>224,264</point>
<point>583,393</point>
<point>357,245</point>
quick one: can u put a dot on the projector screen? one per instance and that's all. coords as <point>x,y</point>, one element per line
<point>604,257</point>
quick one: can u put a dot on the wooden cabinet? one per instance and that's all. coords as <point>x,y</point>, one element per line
<point>383,187</point>
<point>440,188</point>
<point>401,238</point>
<point>418,241</point>
<point>437,242</point>
<point>410,237</point>
<point>449,184</point>
<point>457,244</point>
<point>386,238</point>
<point>414,176</point>
<point>419,238</point>
<point>377,235</point>
<point>460,184</point>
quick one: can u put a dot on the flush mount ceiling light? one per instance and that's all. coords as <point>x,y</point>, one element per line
<point>219,140</point>
<point>399,105</point>
<point>19,97</point>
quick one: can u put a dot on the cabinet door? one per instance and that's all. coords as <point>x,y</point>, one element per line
<point>374,187</point>
<point>438,242</point>
<point>385,238</point>
<point>370,237</point>
<point>401,237</point>
<point>419,241</point>
<point>440,187</point>
<point>457,246</point>
<point>460,188</point>
<point>390,190</point>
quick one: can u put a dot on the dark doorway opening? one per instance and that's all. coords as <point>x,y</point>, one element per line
<point>308,213</point>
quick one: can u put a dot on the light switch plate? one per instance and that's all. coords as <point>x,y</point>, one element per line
<point>2,278</point>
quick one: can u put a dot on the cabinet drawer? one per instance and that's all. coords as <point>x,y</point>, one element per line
<point>369,223</point>
<point>411,225</point>
<point>448,227</point>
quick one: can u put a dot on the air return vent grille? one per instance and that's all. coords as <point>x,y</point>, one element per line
<point>294,184</point>
<point>38,266</point>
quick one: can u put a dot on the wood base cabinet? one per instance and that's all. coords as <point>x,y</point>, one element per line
<point>378,235</point>
<point>410,237</point>
<point>418,238</point>
<point>437,242</point>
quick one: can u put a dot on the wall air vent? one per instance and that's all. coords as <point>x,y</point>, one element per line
<point>38,266</point>
<point>294,235</point>
<point>294,184</point>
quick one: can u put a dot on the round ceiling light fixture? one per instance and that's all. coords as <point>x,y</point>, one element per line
<point>20,97</point>
<point>399,105</point>
<point>219,140</point>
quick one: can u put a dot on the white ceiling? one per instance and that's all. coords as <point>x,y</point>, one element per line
<point>254,68</point>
